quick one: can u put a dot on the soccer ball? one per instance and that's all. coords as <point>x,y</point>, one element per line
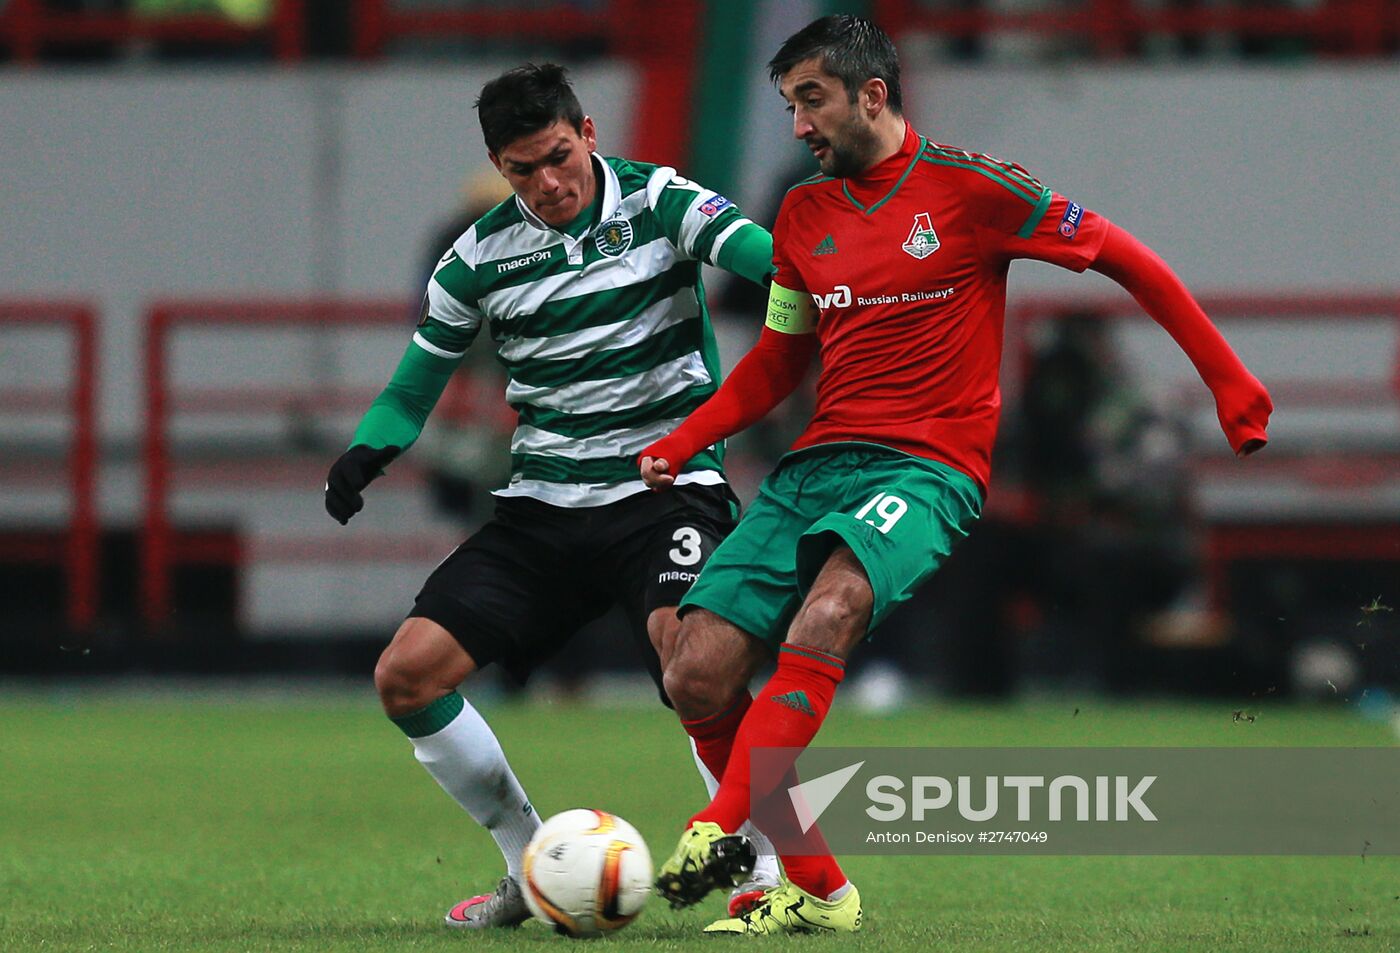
<point>587,872</point>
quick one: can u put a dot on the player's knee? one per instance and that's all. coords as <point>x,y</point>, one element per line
<point>423,662</point>
<point>402,690</point>
<point>662,628</point>
<point>833,619</point>
<point>697,689</point>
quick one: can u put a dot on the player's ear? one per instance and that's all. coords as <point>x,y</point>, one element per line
<point>873,97</point>
<point>590,133</point>
<point>495,160</point>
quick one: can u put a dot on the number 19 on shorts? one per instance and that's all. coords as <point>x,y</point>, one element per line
<point>883,511</point>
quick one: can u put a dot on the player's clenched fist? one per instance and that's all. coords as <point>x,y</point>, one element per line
<point>661,461</point>
<point>354,471</point>
<point>656,472</point>
<point>1243,408</point>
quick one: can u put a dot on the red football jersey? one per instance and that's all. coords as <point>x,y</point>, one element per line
<point>907,266</point>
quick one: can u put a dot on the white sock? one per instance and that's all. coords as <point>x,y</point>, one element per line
<point>765,868</point>
<point>460,751</point>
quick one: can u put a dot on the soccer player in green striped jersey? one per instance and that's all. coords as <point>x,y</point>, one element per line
<point>588,280</point>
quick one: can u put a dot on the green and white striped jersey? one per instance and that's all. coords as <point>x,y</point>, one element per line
<point>605,337</point>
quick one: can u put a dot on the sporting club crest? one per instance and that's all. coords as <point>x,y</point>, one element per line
<point>923,240</point>
<point>614,237</point>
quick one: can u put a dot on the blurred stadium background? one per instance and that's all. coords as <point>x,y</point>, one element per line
<point>216,217</point>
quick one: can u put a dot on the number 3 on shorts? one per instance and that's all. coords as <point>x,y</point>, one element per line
<point>888,509</point>
<point>688,552</point>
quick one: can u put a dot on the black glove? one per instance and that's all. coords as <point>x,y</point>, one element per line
<point>352,473</point>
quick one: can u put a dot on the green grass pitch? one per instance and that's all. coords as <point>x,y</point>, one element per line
<point>304,824</point>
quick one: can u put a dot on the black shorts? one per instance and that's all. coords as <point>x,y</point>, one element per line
<point>518,589</point>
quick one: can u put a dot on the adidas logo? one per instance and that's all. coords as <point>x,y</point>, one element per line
<point>827,247</point>
<point>797,701</point>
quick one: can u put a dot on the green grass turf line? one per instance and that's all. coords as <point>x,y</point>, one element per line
<point>130,825</point>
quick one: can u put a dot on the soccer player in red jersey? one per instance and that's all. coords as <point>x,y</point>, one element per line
<point>892,264</point>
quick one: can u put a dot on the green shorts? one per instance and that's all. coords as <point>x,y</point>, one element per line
<point>900,514</point>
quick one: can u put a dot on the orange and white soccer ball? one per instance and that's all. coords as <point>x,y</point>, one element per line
<point>587,872</point>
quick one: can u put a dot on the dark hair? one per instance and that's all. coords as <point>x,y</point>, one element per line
<point>525,100</point>
<point>853,49</point>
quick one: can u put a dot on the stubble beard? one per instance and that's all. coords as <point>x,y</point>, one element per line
<point>853,149</point>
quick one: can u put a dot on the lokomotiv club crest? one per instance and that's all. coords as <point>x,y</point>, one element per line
<point>923,240</point>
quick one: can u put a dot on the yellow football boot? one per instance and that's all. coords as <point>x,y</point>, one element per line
<point>705,859</point>
<point>788,908</point>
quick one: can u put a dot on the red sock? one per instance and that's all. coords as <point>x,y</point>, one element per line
<point>806,858</point>
<point>714,734</point>
<point>786,714</point>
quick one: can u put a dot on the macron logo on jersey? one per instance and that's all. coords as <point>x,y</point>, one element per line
<point>524,260</point>
<point>1069,224</point>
